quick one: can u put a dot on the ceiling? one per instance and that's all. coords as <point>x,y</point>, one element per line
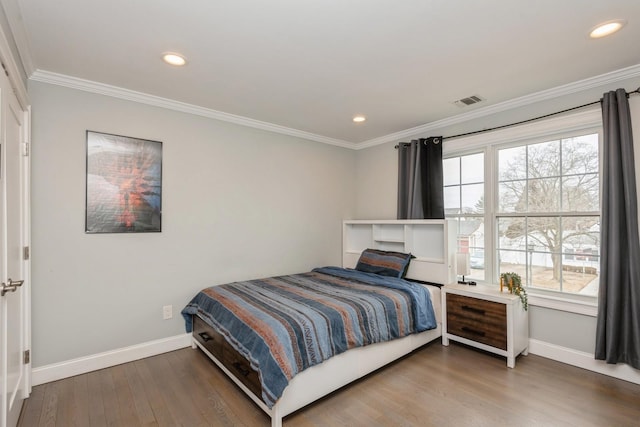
<point>307,67</point>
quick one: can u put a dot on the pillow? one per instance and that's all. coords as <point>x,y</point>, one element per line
<point>384,263</point>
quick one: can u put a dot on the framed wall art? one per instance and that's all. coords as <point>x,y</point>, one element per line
<point>124,184</point>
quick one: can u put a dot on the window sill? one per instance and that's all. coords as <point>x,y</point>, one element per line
<point>587,308</point>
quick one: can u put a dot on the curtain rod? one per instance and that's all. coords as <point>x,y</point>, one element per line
<point>637,91</point>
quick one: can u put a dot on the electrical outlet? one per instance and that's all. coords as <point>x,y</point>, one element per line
<point>167,312</point>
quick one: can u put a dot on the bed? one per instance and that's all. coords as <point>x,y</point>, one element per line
<point>260,333</point>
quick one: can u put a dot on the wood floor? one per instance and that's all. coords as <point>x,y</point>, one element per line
<point>434,386</point>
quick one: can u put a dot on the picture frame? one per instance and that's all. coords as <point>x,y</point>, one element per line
<point>123,184</point>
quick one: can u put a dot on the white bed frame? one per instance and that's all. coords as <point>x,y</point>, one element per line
<point>433,237</point>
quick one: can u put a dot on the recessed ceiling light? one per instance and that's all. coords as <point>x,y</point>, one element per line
<point>174,59</point>
<point>607,28</point>
<point>359,118</point>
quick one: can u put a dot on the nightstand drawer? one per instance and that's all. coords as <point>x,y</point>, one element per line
<point>478,320</point>
<point>476,309</point>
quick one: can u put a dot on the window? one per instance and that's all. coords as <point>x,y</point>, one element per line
<point>529,203</point>
<point>464,201</point>
<point>548,219</point>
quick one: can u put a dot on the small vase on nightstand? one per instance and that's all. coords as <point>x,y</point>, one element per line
<point>513,282</point>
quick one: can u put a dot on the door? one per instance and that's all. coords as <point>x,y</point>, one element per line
<point>14,294</point>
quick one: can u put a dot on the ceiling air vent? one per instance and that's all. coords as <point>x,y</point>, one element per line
<point>464,102</point>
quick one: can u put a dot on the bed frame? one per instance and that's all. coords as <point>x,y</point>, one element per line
<point>435,238</point>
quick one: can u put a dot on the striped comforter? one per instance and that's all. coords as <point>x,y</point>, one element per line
<point>286,324</point>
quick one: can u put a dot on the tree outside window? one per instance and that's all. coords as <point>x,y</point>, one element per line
<point>548,220</point>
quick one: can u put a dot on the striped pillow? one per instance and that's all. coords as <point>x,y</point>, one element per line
<point>384,263</point>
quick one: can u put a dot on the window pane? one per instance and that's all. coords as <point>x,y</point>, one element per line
<point>545,270</point>
<point>470,234</point>
<point>476,262</point>
<point>512,233</point>
<point>473,198</point>
<point>581,274</point>
<point>544,195</point>
<point>544,261</point>
<point>512,163</point>
<point>473,168</point>
<point>471,241</point>
<point>581,193</point>
<point>451,171</point>
<point>551,257</point>
<point>543,234</point>
<point>581,234</point>
<point>580,257</point>
<point>544,159</point>
<point>580,155</point>
<point>512,196</point>
<point>513,262</point>
<point>452,200</point>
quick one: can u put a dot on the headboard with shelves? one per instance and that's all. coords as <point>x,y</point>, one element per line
<point>431,241</point>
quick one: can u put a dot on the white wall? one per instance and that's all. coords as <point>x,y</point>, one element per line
<point>376,185</point>
<point>237,203</point>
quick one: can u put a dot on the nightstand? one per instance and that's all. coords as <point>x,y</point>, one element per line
<point>485,318</point>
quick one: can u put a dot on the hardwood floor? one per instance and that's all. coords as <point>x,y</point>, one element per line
<point>434,386</point>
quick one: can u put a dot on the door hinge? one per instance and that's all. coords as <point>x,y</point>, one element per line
<point>25,150</point>
<point>25,253</point>
<point>27,357</point>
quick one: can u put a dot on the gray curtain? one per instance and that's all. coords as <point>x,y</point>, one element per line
<point>618,323</point>
<point>420,185</point>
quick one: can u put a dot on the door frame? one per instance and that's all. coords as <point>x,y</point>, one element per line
<point>25,201</point>
<point>18,71</point>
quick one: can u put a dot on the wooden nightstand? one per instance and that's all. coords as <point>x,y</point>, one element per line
<point>485,318</point>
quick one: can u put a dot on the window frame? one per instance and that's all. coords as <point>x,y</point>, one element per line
<point>588,121</point>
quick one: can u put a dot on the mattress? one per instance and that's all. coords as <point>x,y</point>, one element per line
<point>284,325</point>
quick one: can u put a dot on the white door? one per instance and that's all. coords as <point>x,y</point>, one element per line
<point>14,322</point>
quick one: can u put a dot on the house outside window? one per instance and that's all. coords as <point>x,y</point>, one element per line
<point>527,200</point>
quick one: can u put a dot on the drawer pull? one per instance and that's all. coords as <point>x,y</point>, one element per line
<point>473,331</point>
<point>473,309</point>
<point>205,336</point>
<point>241,369</point>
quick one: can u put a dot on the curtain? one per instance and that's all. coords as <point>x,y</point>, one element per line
<point>420,191</point>
<point>618,323</point>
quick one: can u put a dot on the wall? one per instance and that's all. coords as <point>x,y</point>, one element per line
<point>376,184</point>
<point>237,203</point>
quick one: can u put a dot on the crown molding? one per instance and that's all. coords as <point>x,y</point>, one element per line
<point>156,101</point>
<point>568,89</point>
<point>143,98</point>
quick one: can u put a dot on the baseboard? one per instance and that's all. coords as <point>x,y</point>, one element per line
<point>82,365</point>
<point>583,360</point>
